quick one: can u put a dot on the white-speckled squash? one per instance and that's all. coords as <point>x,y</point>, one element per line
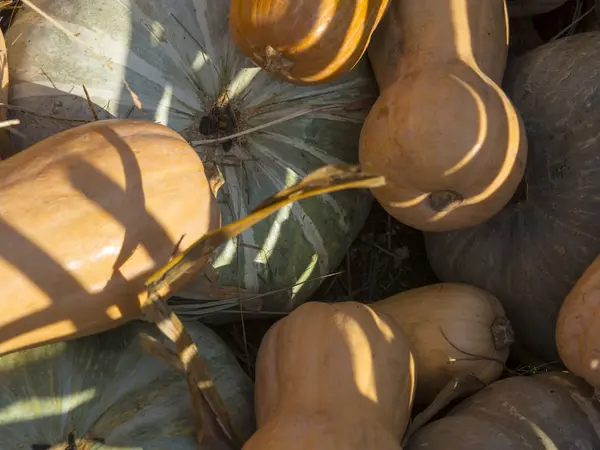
<point>106,389</point>
<point>178,58</point>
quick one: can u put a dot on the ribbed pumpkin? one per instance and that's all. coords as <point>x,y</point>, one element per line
<point>85,217</point>
<point>520,8</point>
<point>178,59</point>
<point>553,410</point>
<point>443,133</point>
<point>106,390</point>
<point>305,41</point>
<point>532,252</point>
<point>453,330</point>
<point>333,376</point>
<point>578,327</point>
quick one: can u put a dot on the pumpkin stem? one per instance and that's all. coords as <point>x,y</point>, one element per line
<point>502,333</point>
<point>274,61</point>
<point>441,201</point>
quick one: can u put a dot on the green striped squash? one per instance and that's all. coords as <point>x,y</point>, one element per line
<point>107,390</point>
<point>174,60</point>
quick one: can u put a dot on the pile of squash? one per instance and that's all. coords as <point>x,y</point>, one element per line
<point>139,126</point>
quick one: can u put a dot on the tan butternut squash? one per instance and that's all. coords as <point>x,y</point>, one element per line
<point>333,376</point>
<point>305,42</point>
<point>85,217</point>
<point>448,140</point>
<point>454,330</point>
<point>578,327</point>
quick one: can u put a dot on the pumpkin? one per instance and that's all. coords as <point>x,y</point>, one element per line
<point>305,41</point>
<point>332,376</point>
<point>106,389</point>
<point>179,61</point>
<point>552,410</point>
<point>532,252</point>
<point>445,136</point>
<point>577,336</point>
<point>86,216</point>
<point>453,330</point>
<point>520,8</point>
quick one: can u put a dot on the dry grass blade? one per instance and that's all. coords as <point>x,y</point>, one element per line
<point>47,116</point>
<point>90,104</point>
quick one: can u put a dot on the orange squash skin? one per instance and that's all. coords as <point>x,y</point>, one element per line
<point>305,42</point>
<point>443,133</point>
<point>86,216</point>
<point>578,327</point>
<point>454,329</point>
<point>333,376</point>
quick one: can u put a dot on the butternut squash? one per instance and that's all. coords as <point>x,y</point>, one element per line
<point>86,216</point>
<point>333,376</point>
<point>305,42</point>
<point>446,137</point>
<point>454,330</point>
<point>578,327</point>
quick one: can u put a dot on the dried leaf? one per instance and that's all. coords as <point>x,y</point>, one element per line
<point>327,179</point>
<point>90,104</point>
<point>134,97</point>
<point>161,284</point>
<point>456,389</point>
<point>201,385</point>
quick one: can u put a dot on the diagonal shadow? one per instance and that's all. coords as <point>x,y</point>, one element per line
<point>71,301</point>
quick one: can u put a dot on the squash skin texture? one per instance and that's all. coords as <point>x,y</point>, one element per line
<point>86,216</point>
<point>443,133</point>
<point>553,410</point>
<point>453,330</point>
<point>333,376</point>
<point>578,327</point>
<point>108,386</point>
<point>305,42</point>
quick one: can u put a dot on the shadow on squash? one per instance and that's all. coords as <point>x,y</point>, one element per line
<point>74,308</point>
<point>335,40</point>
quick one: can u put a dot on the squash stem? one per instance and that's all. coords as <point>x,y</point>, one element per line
<point>502,333</point>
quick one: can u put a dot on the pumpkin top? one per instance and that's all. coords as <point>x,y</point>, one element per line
<point>530,254</point>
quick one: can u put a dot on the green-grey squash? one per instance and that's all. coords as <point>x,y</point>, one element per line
<point>175,60</point>
<point>553,410</point>
<point>106,389</point>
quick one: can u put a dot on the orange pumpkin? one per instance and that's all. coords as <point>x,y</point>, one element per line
<point>333,376</point>
<point>445,136</point>
<point>578,327</point>
<point>305,41</point>
<point>86,216</point>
